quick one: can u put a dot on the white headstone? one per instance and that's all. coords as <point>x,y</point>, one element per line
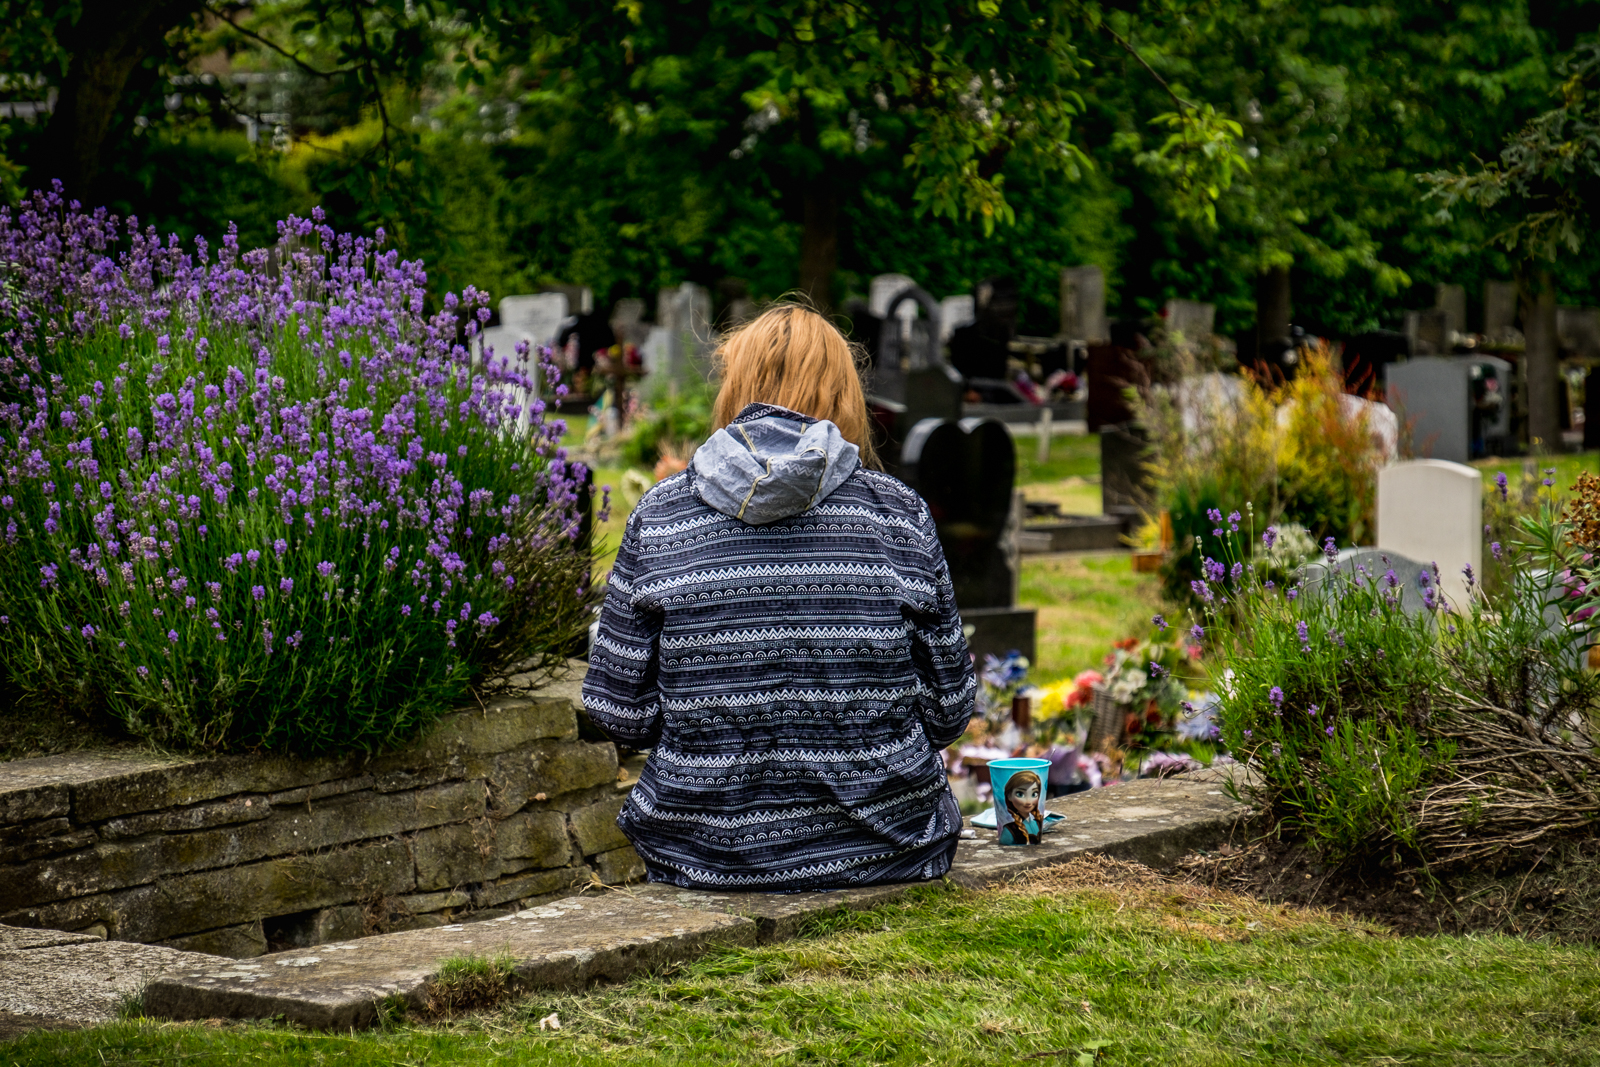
<point>678,349</point>
<point>627,321</point>
<point>954,313</point>
<point>1083,305</point>
<point>535,317</point>
<point>1191,318</point>
<point>883,289</point>
<point>1431,511</point>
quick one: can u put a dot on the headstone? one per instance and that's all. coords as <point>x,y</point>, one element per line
<point>1433,396</point>
<point>1452,300</point>
<point>966,471</point>
<point>1111,370</point>
<point>1125,485</point>
<point>884,288</point>
<point>954,313</point>
<point>1578,329</point>
<point>1500,311</point>
<point>681,353</point>
<point>1412,578</point>
<point>1489,379</point>
<point>1193,319</point>
<point>911,369</point>
<point>535,317</point>
<point>1083,305</point>
<point>1426,332</point>
<point>627,322</point>
<point>1431,511</point>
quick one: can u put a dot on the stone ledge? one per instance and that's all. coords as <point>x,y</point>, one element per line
<point>564,945</point>
<point>611,934</point>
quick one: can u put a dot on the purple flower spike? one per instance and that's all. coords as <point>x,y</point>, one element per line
<point>1495,550</point>
<point>1303,632</point>
<point>1275,696</point>
<point>1329,730</point>
<point>1160,623</point>
<point>1330,550</point>
<point>1500,484</point>
<point>1270,537</point>
<point>1197,632</point>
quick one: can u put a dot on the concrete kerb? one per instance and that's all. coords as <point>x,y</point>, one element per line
<point>613,934</point>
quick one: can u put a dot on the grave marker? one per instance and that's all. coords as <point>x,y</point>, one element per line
<point>1083,305</point>
<point>1426,332</point>
<point>1499,311</point>
<point>1452,300</point>
<point>954,313</point>
<point>1431,511</point>
<point>1191,318</point>
<point>1434,395</point>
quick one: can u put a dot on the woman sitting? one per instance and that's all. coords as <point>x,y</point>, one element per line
<point>780,631</point>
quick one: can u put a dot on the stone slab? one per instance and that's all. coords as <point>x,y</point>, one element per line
<point>85,982</point>
<point>1152,821</point>
<point>566,944</point>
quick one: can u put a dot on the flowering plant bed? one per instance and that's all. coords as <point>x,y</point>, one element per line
<point>1382,728</point>
<point>261,499</point>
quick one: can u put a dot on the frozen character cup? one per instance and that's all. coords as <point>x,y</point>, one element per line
<point>1019,799</point>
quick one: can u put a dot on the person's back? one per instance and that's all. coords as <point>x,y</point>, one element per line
<point>780,630</point>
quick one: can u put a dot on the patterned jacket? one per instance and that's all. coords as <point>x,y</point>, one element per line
<point>794,679</point>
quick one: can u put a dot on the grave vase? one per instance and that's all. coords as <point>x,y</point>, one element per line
<point>1110,721</point>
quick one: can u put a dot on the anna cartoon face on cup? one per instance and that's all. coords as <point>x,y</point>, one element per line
<point>1022,822</point>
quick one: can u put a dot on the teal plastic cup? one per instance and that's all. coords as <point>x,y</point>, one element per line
<point>1019,788</point>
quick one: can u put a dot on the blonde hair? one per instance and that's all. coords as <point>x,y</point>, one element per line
<point>793,357</point>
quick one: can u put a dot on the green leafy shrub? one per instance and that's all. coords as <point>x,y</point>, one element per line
<point>1381,723</point>
<point>261,499</point>
<point>674,422</point>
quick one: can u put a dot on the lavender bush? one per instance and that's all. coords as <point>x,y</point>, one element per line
<point>1384,722</point>
<point>261,499</point>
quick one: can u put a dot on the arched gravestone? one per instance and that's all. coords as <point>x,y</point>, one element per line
<point>910,376</point>
<point>966,472</point>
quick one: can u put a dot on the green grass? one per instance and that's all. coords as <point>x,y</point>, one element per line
<point>1070,457</point>
<point>1085,601</point>
<point>1567,468</point>
<point>1148,972</point>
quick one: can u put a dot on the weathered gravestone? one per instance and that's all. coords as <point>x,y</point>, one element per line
<point>966,471</point>
<point>1431,511</point>
<point>1452,300</point>
<point>1083,305</point>
<point>534,318</point>
<point>1500,311</point>
<point>677,351</point>
<point>1434,395</point>
<point>1125,486</point>
<point>954,313</point>
<point>1427,333</point>
<point>885,287</point>
<point>1191,318</point>
<point>1413,580</point>
<point>910,377</point>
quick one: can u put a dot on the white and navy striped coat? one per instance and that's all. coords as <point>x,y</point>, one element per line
<point>794,678</point>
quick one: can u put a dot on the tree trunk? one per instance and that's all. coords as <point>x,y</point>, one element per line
<point>1272,311</point>
<point>1543,370</point>
<point>819,245</point>
<point>106,43</point>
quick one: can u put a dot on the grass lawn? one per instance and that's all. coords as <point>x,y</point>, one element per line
<point>1086,600</point>
<point>1070,477</point>
<point>1567,468</point>
<point>1091,962</point>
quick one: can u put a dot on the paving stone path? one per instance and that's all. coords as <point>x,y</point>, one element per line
<point>568,943</point>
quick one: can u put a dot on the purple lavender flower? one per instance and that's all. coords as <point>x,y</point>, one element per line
<point>1471,578</point>
<point>1500,484</point>
<point>1197,632</point>
<point>88,632</point>
<point>1270,537</point>
<point>1160,623</point>
<point>172,637</point>
<point>1275,696</point>
<point>1233,521</point>
<point>1303,632</point>
<point>1495,550</point>
<point>1330,550</point>
<point>1214,514</point>
<point>1311,710</point>
<point>325,569</point>
<point>258,592</point>
<point>1329,730</point>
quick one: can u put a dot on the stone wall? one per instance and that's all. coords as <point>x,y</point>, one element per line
<point>495,807</point>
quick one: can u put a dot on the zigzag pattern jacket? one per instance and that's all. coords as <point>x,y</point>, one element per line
<point>794,672</point>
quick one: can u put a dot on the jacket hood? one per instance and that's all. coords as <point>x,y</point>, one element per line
<point>771,463</point>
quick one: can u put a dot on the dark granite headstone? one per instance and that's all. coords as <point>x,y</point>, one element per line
<point>910,379</point>
<point>1124,479</point>
<point>965,471</point>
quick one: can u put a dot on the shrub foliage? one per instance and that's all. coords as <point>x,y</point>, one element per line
<point>1385,722</point>
<point>262,499</point>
